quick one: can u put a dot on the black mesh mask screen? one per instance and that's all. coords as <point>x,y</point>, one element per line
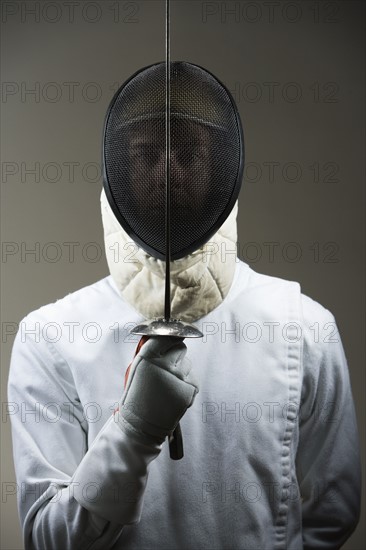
<point>206,157</point>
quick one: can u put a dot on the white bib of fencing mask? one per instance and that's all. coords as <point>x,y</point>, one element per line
<point>200,281</point>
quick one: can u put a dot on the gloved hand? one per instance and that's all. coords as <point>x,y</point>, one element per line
<point>160,388</point>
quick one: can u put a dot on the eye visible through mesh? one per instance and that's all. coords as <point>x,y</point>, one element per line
<point>206,157</point>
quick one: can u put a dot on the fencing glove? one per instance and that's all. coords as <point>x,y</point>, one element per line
<point>160,388</point>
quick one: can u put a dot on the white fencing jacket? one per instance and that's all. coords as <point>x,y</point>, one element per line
<point>271,458</point>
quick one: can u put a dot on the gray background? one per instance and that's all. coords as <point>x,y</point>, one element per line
<point>296,70</point>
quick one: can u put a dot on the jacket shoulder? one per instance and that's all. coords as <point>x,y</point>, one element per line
<point>81,303</point>
<point>311,309</point>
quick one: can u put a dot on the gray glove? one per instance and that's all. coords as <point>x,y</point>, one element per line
<point>159,390</point>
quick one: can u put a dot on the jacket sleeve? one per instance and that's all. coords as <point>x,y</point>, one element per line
<point>69,497</point>
<point>328,459</point>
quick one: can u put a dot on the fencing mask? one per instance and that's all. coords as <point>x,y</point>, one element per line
<point>206,157</point>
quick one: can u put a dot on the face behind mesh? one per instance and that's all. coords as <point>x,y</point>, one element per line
<point>206,157</point>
